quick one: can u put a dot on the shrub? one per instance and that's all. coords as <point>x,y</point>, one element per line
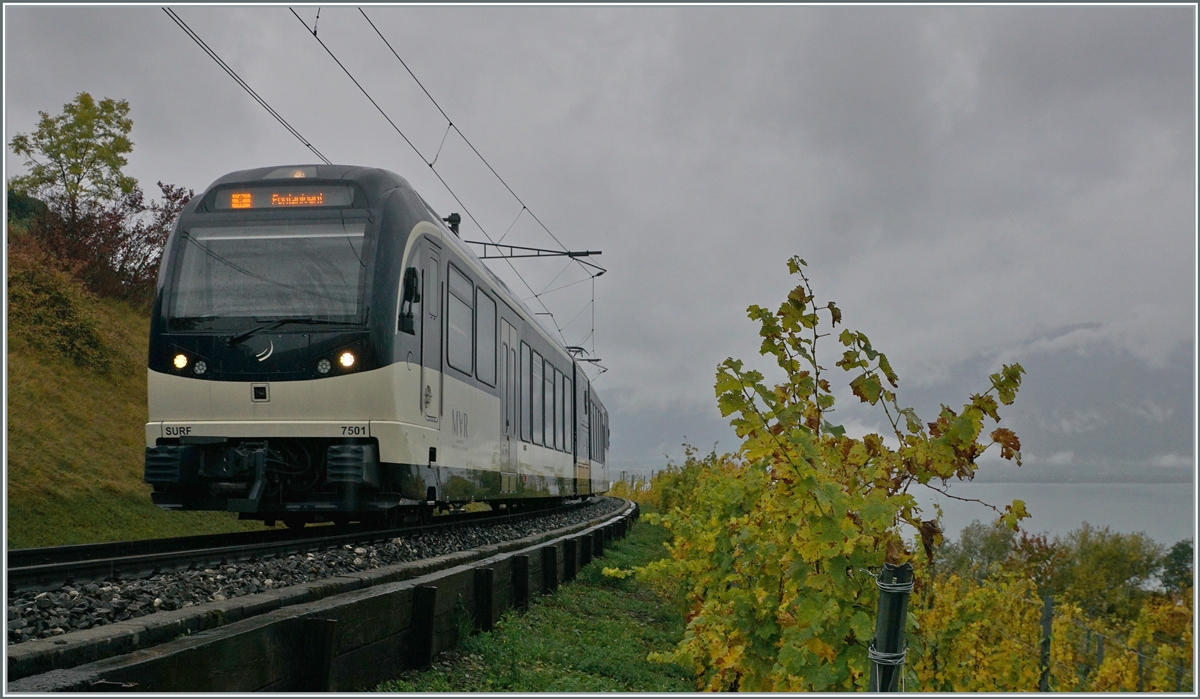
<point>50,310</point>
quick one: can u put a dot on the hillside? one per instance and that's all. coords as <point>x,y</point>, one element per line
<point>76,410</point>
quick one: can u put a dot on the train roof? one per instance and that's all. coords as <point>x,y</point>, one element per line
<point>374,181</point>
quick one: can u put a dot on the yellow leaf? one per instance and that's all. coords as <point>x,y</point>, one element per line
<point>821,649</point>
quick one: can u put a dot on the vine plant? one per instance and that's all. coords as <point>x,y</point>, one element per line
<point>772,545</point>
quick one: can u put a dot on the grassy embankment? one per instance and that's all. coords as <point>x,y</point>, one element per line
<point>76,415</point>
<point>592,635</point>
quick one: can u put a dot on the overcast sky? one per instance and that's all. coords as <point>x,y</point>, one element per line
<point>970,185</point>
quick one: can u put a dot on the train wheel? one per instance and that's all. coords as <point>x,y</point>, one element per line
<point>294,522</point>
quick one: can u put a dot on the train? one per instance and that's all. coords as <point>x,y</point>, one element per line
<point>325,348</point>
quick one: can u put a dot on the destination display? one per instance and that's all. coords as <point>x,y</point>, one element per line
<point>285,197</point>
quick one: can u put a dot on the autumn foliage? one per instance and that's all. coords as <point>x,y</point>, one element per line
<point>113,248</point>
<point>985,635</point>
<point>75,208</point>
<point>772,546</point>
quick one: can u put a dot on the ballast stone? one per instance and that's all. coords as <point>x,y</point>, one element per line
<point>71,609</point>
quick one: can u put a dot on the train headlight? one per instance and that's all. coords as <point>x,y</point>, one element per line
<point>346,359</point>
<point>324,366</point>
<point>180,361</point>
<point>200,367</point>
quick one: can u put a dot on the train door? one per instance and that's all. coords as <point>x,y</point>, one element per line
<point>431,337</point>
<point>508,407</point>
<point>583,444</point>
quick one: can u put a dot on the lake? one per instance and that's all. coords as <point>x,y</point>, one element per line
<point>1164,511</point>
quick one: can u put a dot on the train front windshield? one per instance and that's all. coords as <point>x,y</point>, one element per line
<point>284,270</point>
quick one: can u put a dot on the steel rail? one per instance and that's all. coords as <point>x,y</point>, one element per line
<point>53,567</point>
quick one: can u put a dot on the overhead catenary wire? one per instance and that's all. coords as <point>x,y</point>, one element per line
<point>192,34</point>
<point>575,319</point>
<point>560,273</point>
<point>270,110</point>
<point>564,286</point>
<point>245,86</point>
<point>362,89</point>
<point>510,226</point>
<point>524,207</point>
<point>438,154</point>
<point>430,163</point>
<point>451,124</point>
<point>593,333</point>
<point>416,150</point>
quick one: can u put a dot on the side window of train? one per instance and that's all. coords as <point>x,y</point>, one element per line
<point>526,408</point>
<point>539,417</point>
<point>557,390</point>
<point>431,294</point>
<point>564,412</point>
<point>593,420</point>
<point>568,433</point>
<point>548,389</point>
<point>604,437</point>
<point>410,294</point>
<point>485,338</point>
<point>581,435</point>
<point>459,319</point>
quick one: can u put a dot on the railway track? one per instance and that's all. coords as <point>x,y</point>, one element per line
<point>50,568</point>
<point>345,632</point>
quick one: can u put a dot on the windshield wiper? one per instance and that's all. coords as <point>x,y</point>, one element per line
<point>243,336</point>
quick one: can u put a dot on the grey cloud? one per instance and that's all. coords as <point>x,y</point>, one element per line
<point>1111,411</point>
<point>971,185</point>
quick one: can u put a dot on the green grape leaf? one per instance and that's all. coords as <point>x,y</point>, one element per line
<point>1013,514</point>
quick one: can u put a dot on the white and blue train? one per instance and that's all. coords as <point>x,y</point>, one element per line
<point>324,348</point>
